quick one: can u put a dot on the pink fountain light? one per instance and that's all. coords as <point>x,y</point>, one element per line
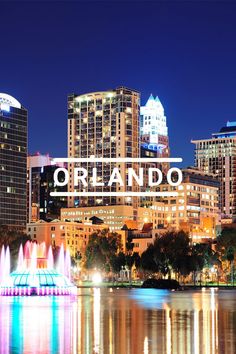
<point>35,273</point>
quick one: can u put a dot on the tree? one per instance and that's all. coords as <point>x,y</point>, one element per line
<point>200,257</point>
<point>136,259</point>
<point>102,249</point>
<point>129,243</point>
<point>117,262</point>
<point>226,246</point>
<point>147,262</point>
<point>171,252</point>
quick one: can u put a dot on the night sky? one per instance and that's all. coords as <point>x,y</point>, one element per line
<point>184,52</point>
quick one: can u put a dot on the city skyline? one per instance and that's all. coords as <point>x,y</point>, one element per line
<point>118,176</point>
<point>189,162</point>
<point>179,57</point>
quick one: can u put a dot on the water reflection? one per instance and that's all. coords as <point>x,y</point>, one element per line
<point>120,321</point>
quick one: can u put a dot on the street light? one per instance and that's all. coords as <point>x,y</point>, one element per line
<point>97,278</point>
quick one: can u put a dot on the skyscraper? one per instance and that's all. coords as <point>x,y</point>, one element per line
<point>13,162</point>
<point>154,140</point>
<point>218,155</point>
<point>153,128</point>
<point>41,205</point>
<point>104,124</point>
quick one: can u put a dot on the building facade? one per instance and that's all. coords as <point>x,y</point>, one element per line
<point>196,207</point>
<point>13,162</point>
<point>115,216</point>
<point>41,205</point>
<point>72,235</point>
<point>218,156</point>
<point>154,141</point>
<point>104,124</point>
<point>154,130</point>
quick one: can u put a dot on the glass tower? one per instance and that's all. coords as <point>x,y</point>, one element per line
<point>13,162</point>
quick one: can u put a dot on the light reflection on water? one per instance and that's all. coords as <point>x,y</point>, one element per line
<point>120,321</point>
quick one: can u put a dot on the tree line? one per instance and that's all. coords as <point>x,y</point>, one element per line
<point>172,254</point>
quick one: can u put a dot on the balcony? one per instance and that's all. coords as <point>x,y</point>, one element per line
<point>193,201</point>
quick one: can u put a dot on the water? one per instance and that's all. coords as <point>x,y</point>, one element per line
<point>120,321</point>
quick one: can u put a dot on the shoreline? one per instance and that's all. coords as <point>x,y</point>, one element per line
<point>133,286</point>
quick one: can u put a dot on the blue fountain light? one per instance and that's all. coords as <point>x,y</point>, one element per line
<point>36,275</point>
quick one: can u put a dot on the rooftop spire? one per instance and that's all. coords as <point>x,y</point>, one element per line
<point>151,98</point>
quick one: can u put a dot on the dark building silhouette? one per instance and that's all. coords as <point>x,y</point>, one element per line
<point>41,205</point>
<point>13,162</point>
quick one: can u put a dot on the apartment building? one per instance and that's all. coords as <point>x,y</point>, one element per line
<point>106,125</point>
<point>217,155</point>
<point>196,207</point>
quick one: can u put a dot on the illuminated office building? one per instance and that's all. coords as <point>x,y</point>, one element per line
<point>13,162</point>
<point>104,124</point>
<point>154,140</point>
<point>217,155</point>
<point>153,123</point>
<point>153,129</point>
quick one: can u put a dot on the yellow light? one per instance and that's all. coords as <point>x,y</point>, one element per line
<point>168,218</point>
<point>97,278</point>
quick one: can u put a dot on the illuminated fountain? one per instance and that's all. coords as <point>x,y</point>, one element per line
<point>36,273</point>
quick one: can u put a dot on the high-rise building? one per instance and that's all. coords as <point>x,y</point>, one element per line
<point>13,162</point>
<point>153,129</point>
<point>217,155</point>
<point>154,140</point>
<point>40,204</point>
<point>104,124</point>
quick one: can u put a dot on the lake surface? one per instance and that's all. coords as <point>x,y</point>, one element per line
<point>120,321</point>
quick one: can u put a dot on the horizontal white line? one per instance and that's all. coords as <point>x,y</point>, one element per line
<point>114,194</point>
<point>118,159</point>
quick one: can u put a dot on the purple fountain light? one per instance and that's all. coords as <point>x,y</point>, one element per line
<point>35,273</point>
